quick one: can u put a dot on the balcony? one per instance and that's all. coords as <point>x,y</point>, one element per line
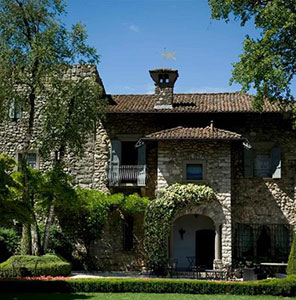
<point>127,175</point>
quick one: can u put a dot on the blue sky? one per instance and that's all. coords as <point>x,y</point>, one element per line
<point>131,35</point>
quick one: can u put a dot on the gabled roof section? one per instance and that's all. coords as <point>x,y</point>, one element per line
<point>196,133</point>
<point>190,103</point>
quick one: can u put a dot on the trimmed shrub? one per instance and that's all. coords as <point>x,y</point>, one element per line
<point>291,269</point>
<point>27,265</point>
<point>9,241</point>
<point>277,287</point>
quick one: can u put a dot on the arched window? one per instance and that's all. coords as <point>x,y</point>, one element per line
<point>264,242</point>
<point>281,240</point>
<point>244,239</point>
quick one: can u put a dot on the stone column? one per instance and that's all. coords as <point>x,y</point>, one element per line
<point>217,243</point>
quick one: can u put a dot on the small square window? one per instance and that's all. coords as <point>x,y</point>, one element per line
<point>194,172</point>
<point>31,159</point>
<point>15,111</point>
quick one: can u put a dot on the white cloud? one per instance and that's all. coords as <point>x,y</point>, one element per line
<point>134,28</point>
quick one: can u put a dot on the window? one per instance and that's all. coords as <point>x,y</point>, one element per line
<point>127,163</point>
<point>262,166</point>
<point>262,163</point>
<point>15,111</point>
<point>194,172</point>
<point>163,78</point>
<point>264,242</point>
<point>244,241</point>
<point>129,153</point>
<point>256,241</point>
<point>31,160</point>
<point>128,242</point>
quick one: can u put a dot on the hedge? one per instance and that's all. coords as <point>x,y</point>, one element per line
<point>28,265</point>
<point>283,287</point>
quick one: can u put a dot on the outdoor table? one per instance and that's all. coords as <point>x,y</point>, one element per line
<point>271,264</point>
<point>191,262</point>
<point>273,268</point>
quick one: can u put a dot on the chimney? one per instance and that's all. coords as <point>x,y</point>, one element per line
<point>164,80</point>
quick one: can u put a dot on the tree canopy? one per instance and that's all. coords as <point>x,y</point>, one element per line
<point>60,107</point>
<point>268,63</point>
<point>37,53</point>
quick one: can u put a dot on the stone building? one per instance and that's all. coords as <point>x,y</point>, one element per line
<point>147,142</point>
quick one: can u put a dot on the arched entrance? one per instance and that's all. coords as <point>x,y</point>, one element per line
<point>205,248</point>
<point>192,241</point>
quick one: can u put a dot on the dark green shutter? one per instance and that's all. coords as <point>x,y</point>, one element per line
<point>142,165</point>
<point>248,163</point>
<point>276,164</point>
<point>114,175</point>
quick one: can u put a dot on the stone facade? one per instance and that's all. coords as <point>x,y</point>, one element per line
<point>216,160</point>
<point>240,200</point>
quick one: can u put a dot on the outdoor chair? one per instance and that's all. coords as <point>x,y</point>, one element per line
<point>172,267</point>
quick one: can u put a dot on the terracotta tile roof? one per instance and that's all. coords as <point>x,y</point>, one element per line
<point>187,133</point>
<point>200,103</point>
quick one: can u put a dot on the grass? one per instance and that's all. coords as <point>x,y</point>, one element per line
<point>129,296</point>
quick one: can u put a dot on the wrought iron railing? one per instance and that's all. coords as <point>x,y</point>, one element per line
<point>135,174</point>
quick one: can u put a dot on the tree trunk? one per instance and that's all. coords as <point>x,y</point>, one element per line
<point>36,240</point>
<point>48,224</point>
<point>26,240</point>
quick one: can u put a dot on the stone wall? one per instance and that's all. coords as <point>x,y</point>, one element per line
<point>265,200</point>
<point>108,252</point>
<point>217,164</point>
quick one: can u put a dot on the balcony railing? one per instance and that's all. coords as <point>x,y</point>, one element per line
<point>127,174</point>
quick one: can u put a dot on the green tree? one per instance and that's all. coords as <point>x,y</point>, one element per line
<point>268,63</point>
<point>37,52</point>
<point>54,186</point>
<point>10,207</point>
<point>291,269</point>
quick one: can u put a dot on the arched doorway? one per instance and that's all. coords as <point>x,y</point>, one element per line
<point>205,248</point>
<point>192,241</point>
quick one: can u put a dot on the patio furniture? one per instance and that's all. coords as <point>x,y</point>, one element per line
<point>215,274</point>
<point>273,269</point>
<point>172,267</point>
<point>191,262</point>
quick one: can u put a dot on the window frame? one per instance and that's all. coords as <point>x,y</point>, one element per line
<point>15,110</point>
<point>194,162</point>
<point>18,153</point>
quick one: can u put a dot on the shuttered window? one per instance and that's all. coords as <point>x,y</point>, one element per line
<point>265,164</point>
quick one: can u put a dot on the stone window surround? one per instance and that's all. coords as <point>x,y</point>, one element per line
<point>195,162</point>
<point>33,151</point>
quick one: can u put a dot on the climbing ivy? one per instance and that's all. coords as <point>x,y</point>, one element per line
<point>159,216</point>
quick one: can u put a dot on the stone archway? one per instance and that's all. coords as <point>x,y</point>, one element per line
<point>192,241</point>
<point>161,213</point>
<point>207,217</point>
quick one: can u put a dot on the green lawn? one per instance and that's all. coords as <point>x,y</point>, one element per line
<point>129,296</point>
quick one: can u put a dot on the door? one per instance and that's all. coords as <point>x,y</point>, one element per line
<point>205,248</point>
